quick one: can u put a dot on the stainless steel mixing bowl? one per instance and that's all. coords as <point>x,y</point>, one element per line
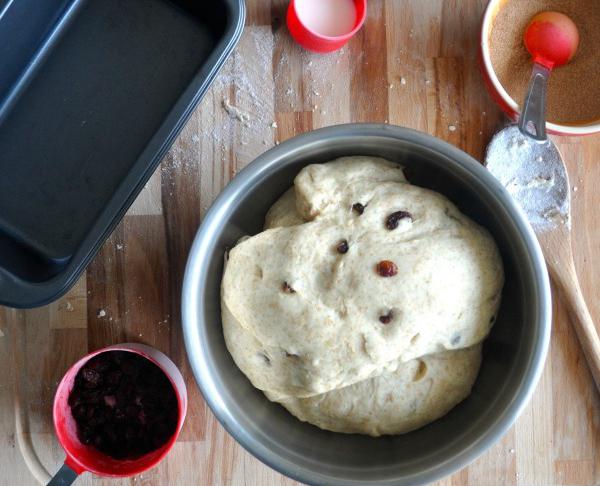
<point>514,353</point>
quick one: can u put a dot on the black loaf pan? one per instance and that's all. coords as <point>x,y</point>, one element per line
<point>92,95</point>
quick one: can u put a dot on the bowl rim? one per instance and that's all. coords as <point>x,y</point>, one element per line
<point>488,17</point>
<point>197,267</point>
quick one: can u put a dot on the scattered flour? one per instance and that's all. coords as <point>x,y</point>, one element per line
<point>235,121</point>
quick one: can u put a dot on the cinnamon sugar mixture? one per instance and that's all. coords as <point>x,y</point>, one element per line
<point>574,89</point>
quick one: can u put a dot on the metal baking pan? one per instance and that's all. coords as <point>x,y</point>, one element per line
<point>92,95</point>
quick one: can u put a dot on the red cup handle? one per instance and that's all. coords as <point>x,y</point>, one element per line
<point>64,476</point>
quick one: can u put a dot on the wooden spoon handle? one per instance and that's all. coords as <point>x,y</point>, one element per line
<point>566,279</point>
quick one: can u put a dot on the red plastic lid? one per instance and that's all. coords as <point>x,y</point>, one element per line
<point>313,41</point>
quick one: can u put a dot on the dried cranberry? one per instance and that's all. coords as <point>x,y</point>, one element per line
<point>358,208</point>
<point>88,395</point>
<point>98,441</point>
<point>141,417</point>
<point>110,400</point>
<point>119,414</point>
<point>91,377</point>
<point>342,247</point>
<point>393,219</point>
<point>99,366</point>
<point>287,288</point>
<point>387,268</point>
<point>80,411</point>
<point>131,409</point>
<point>74,399</point>
<point>111,433</point>
<point>130,433</point>
<point>130,368</point>
<point>86,434</point>
<point>113,378</point>
<point>387,318</point>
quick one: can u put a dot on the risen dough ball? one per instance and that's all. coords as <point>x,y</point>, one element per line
<point>318,329</point>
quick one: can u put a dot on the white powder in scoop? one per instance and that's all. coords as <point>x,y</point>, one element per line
<point>534,174</point>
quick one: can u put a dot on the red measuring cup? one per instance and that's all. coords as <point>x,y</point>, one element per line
<point>80,457</point>
<point>316,42</point>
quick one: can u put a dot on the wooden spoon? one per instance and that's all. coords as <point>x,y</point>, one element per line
<point>535,175</point>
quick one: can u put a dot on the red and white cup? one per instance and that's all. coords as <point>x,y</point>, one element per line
<point>80,457</point>
<point>501,96</point>
<point>313,41</point>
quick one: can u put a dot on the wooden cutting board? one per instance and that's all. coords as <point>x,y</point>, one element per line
<point>413,64</point>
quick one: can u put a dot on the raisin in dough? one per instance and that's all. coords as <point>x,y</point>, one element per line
<point>301,319</point>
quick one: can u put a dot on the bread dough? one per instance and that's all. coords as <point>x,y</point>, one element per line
<point>283,212</point>
<point>417,393</point>
<point>302,320</point>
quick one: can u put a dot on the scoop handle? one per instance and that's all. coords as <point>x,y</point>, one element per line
<point>532,121</point>
<point>63,477</point>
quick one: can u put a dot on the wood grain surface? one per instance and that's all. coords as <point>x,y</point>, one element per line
<point>413,64</point>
